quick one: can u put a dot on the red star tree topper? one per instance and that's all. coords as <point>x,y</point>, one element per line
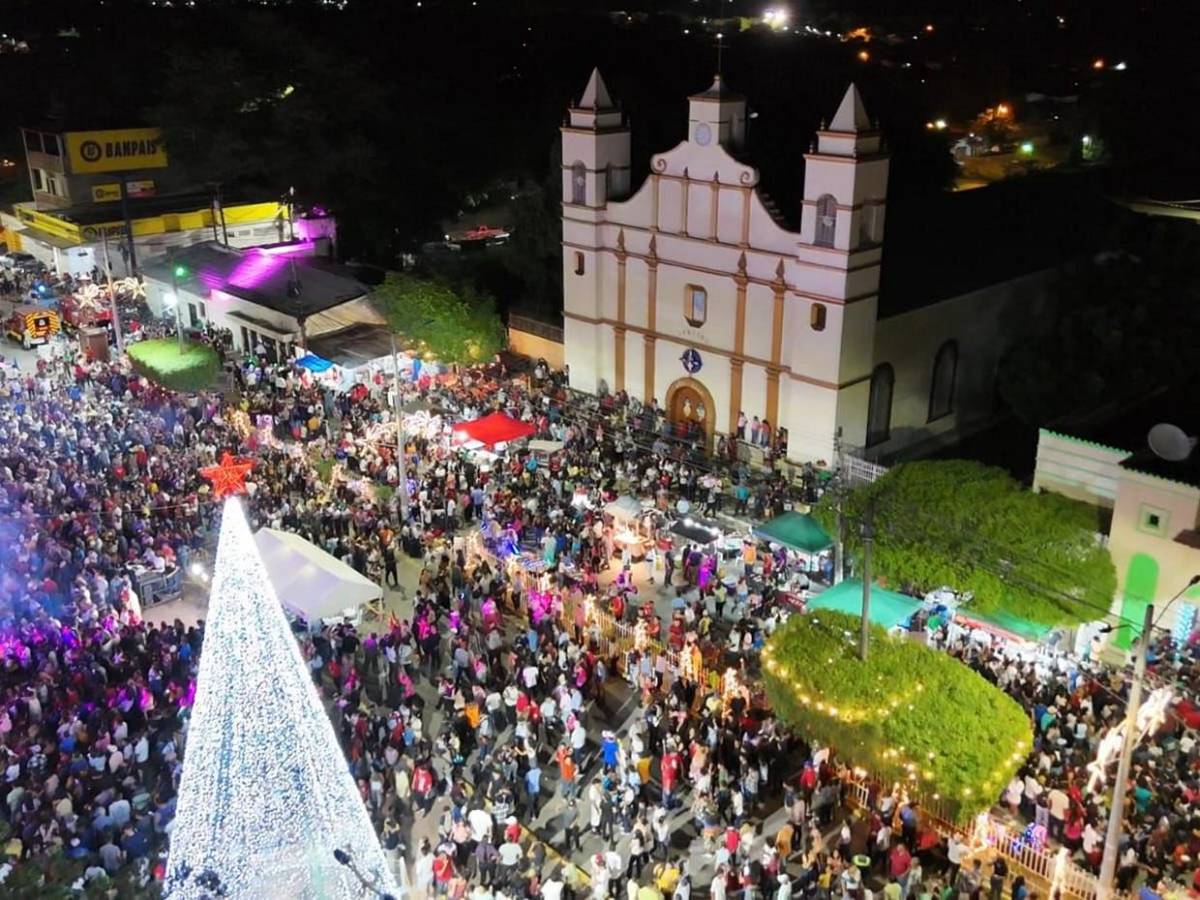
<point>228,476</point>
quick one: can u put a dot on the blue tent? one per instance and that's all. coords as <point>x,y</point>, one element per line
<point>314,363</point>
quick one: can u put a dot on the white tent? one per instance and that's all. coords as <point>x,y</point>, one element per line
<point>309,581</point>
<point>539,445</point>
<point>624,509</point>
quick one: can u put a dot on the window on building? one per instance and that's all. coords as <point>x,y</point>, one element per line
<point>868,222</point>
<point>945,373</point>
<point>39,180</point>
<point>33,141</point>
<point>879,407</point>
<point>193,316</point>
<point>50,143</point>
<point>826,221</point>
<point>579,183</point>
<point>579,267</point>
<point>247,344</point>
<point>695,305</point>
<point>816,317</point>
<point>203,312</point>
<point>1153,520</point>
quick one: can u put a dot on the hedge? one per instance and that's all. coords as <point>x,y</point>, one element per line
<point>910,713</point>
<point>974,528</point>
<point>160,361</point>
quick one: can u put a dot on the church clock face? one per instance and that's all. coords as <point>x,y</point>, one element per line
<point>703,134</point>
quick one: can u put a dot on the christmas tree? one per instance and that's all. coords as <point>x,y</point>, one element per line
<point>266,797</point>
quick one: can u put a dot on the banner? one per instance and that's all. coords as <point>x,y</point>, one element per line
<point>106,193</point>
<point>122,150</point>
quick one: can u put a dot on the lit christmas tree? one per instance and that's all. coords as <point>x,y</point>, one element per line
<point>266,797</point>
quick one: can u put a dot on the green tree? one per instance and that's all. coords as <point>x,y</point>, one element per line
<point>974,528</point>
<point>909,713</point>
<point>457,325</point>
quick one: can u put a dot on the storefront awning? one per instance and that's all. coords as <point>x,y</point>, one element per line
<point>888,608</point>
<point>314,363</point>
<point>795,530</point>
<point>492,429</point>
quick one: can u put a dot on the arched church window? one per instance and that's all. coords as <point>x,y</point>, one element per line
<point>879,407</point>
<point>579,183</point>
<point>945,373</point>
<point>826,221</point>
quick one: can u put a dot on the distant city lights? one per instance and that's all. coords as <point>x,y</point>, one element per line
<point>864,56</point>
<point>1098,64</point>
<point>1120,67</point>
<point>1027,147</point>
<point>776,17</point>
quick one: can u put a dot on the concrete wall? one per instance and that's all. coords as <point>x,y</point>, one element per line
<point>1081,470</point>
<point>984,324</point>
<point>1152,566</point>
<point>536,347</point>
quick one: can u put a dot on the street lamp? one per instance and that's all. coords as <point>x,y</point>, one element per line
<point>178,271</point>
<point>1112,839</point>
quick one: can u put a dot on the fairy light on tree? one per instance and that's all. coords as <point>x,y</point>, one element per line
<point>266,796</point>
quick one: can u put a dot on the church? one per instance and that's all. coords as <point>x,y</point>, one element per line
<point>691,291</point>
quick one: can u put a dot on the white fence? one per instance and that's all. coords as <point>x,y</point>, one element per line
<point>857,471</point>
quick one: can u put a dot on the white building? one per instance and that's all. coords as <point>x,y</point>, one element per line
<point>691,291</point>
<point>1154,529</point>
<point>274,298</point>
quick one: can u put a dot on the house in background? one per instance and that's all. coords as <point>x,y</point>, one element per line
<point>1152,509</point>
<point>273,299</point>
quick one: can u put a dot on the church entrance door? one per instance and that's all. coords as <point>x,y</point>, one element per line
<point>690,408</point>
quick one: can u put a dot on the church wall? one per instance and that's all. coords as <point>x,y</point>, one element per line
<point>760,311</point>
<point>580,351</point>
<point>984,324</point>
<point>810,417</point>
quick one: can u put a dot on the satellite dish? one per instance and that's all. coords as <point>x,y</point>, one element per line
<point>1170,442</point>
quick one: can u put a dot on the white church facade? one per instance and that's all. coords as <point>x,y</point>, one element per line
<point>691,292</point>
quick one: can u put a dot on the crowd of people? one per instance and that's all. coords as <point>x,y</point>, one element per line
<point>493,698</point>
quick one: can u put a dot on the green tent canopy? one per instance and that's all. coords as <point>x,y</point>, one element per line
<point>888,608</point>
<point>795,530</point>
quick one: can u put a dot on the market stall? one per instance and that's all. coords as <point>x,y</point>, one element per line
<point>888,608</point>
<point>308,581</point>
<point>628,517</point>
<point>492,430</point>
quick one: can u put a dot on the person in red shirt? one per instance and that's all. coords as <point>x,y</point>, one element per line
<point>672,762</point>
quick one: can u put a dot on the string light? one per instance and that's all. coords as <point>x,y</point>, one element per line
<point>266,795</point>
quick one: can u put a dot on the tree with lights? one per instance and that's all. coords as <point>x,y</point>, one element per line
<point>266,797</point>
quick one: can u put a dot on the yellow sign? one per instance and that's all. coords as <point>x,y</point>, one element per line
<point>106,193</point>
<point>123,150</point>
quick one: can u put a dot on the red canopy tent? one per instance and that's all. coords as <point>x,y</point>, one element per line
<point>492,429</point>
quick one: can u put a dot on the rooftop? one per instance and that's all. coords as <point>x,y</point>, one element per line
<point>294,285</point>
<point>945,245</point>
<point>144,207</point>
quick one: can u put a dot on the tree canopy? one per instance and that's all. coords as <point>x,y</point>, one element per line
<point>456,325</point>
<point>974,528</point>
<point>909,713</point>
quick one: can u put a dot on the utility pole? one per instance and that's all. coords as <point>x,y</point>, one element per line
<point>401,462</point>
<point>177,272</point>
<point>868,538</point>
<point>1116,814</point>
<point>839,547</point>
<point>112,297</point>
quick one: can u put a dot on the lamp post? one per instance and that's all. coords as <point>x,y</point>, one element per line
<point>178,271</point>
<point>1112,838</point>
